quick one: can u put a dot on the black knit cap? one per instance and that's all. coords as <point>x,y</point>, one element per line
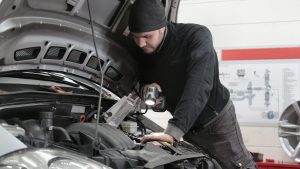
<point>147,15</point>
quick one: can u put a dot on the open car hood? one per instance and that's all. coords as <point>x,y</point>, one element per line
<point>56,35</point>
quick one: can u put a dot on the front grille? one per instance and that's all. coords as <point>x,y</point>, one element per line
<point>27,53</point>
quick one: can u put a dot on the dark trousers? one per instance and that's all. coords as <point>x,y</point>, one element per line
<point>222,139</point>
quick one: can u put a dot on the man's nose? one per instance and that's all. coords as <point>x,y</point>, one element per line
<point>141,42</point>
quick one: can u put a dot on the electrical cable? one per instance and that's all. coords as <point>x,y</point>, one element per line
<point>96,140</point>
<point>134,89</point>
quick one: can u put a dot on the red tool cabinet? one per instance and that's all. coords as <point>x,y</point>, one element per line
<point>271,165</point>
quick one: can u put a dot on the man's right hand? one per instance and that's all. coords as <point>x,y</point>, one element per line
<point>160,137</point>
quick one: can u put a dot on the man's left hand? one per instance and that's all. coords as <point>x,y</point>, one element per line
<point>160,137</point>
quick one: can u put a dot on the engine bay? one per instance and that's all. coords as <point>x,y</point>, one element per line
<point>73,127</point>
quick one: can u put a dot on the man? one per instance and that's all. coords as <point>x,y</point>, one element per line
<point>180,60</point>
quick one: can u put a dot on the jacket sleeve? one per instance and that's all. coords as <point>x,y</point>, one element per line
<point>200,74</point>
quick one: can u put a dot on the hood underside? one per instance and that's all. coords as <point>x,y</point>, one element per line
<point>57,36</point>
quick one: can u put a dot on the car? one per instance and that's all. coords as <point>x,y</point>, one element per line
<point>69,90</point>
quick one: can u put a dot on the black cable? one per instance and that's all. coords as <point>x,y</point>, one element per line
<point>139,123</point>
<point>101,71</point>
<point>134,89</point>
<point>138,112</point>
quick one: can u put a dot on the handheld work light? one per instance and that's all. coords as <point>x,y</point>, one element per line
<point>151,95</point>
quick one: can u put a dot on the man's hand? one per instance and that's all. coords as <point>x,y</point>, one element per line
<point>160,137</point>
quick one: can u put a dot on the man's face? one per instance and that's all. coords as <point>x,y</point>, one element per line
<point>149,41</point>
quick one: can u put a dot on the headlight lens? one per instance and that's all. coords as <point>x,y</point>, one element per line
<point>69,164</point>
<point>48,159</point>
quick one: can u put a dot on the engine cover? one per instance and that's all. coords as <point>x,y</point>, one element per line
<point>110,137</point>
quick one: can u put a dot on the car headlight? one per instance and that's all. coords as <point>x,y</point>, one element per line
<point>69,164</point>
<point>48,159</point>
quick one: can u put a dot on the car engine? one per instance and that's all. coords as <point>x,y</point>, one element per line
<point>60,126</point>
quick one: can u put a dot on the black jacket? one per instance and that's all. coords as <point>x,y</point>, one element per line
<point>186,68</point>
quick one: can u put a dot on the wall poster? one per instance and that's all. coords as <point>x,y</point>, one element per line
<point>262,82</point>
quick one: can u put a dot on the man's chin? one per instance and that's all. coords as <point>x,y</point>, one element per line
<point>148,51</point>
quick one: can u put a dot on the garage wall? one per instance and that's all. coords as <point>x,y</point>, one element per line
<point>246,23</point>
<point>249,24</point>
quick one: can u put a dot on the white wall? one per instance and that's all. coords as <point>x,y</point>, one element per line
<point>248,24</point>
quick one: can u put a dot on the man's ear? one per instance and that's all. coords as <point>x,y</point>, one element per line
<point>162,30</point>
<point>130,35</point>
